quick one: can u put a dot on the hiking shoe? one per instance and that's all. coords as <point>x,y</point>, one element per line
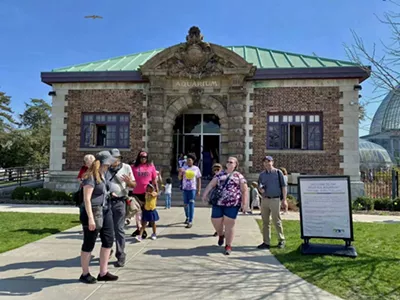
<point>228,250</point>
<point>88,279</point>
<point>138,238</point>
<point>186,221</point>
<point>189,225</point>
<point>153,236</point>
<point>263,246</point>
<point>281,244</point>
<point>221,240</point>
<point>107,277</point>
<point>135,233</point>
<point>120,263</point>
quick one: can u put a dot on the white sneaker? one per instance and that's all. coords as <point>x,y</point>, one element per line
<point>153,236</point>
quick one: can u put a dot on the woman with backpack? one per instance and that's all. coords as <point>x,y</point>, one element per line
<point>96,218</point>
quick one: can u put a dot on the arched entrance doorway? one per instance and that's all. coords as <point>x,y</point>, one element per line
<point>198,132</point>
<point>202,122</point>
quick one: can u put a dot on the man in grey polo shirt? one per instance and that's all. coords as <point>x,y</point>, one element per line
<point>272,186</point>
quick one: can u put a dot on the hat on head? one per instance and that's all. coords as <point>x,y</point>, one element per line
<point>105,158</point>
<point>115,153</point>
<point>269,158</point>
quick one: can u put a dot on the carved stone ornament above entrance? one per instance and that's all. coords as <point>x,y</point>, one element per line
<point>196,59</point>
<point>196,93</point>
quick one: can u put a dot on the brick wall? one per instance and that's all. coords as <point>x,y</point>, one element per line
<point>299,99</point>
<point>108,101</point>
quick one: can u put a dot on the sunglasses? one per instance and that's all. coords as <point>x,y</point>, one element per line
<point>144,157</point>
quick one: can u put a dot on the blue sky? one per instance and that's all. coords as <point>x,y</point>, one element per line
<point>45,34</point>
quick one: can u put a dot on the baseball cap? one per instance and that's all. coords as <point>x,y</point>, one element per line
<point>269,158</point>
<point>105,158</point>
<point>115,153</point>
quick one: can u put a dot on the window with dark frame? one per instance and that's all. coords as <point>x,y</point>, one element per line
<point>105,130</point>
<point>294,131</point>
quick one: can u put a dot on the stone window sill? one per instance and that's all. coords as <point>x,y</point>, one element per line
<point>294,151</point>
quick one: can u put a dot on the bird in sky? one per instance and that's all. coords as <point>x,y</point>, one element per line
<point>93,17</point>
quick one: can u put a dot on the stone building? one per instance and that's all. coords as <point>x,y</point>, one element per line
<point>212,100</point>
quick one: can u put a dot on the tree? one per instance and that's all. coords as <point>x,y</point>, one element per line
<point>6,118</point>
<point>385,67</point>
<point>17,151</point>
<point>37,119</point>
<point>37,115</point>
<point>29,145</point>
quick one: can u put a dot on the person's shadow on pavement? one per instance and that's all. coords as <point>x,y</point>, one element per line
<point>27,285</point>
<point>41,266</point>
<point>198,251</point>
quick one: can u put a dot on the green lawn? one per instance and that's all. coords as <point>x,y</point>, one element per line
<point>18,229</point>
<point>374,274</point>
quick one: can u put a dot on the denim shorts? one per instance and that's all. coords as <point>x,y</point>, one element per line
<point>227,211</point>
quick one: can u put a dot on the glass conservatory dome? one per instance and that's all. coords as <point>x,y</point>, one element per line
<point>373,156</point>
<point>387,117</point>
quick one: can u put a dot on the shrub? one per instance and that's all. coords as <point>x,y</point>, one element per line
<point>396,204</point>
<point>364,203</point>
<point>22,193</point>
<point>383,204</point>
<point>27,193</point>
<point>62,196</point>
<point>44,194</point>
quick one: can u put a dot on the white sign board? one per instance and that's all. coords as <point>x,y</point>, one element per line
<point>325,207</point>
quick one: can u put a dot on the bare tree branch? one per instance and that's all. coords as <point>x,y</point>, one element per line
<point>385,73</point>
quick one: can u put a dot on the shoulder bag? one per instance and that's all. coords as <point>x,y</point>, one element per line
<point>216,193</point>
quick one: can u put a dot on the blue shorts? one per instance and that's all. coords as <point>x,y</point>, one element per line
<point>227,211</point>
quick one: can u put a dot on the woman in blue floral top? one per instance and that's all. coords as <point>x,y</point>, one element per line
<point>234,195</point>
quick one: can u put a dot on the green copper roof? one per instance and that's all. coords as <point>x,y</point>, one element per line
<point>260,57</point>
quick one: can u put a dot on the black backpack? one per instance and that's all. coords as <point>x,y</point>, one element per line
<point>77,197</point>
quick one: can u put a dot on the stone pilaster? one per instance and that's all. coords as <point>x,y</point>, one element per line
<point>236,111</point>
<point>155,128</point>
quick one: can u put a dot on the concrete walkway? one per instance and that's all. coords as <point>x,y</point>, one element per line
<point>181,264</point>
<point>61,209</point>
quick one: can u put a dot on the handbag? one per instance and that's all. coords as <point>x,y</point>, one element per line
<point>98,216</point>
<point>216,193</point>
<point>132,207</point>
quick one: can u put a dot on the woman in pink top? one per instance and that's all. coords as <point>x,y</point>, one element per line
<point>144,172</point>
